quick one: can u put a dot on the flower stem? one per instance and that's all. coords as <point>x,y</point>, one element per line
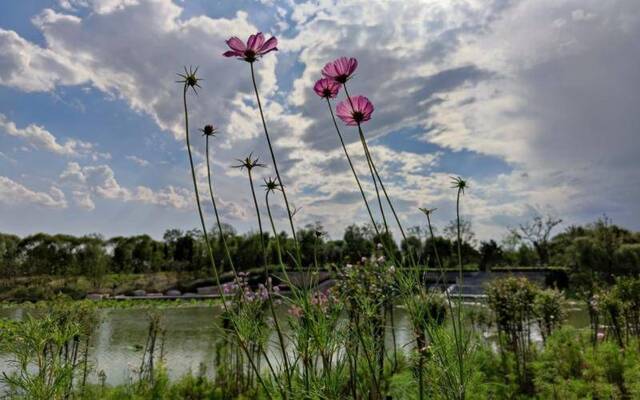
<point>377,175</point>
<point>278,249</point>
<point>206,239</point>
<point>366,154</point>
<point>353,170</point>
<point>269,286</point>
<point>275,167</point>
<point>456,328</point>
<point>460,282</point>
<point>215,209</point>
<point>388,251</point>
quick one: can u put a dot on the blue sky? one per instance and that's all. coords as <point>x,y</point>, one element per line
<point>534,102</point>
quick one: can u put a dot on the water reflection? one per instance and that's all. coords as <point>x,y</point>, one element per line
<point>191,335</point>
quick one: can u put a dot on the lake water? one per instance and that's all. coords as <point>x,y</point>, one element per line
<point>191,334</point>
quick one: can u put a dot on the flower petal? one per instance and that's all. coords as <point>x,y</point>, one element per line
<point>236,44</point>
<point>269,45</point>
<point>353,64</point>
<point>232,53</point>
<point>255,42</point>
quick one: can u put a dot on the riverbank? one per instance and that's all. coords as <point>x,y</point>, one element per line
<point>200,286</point>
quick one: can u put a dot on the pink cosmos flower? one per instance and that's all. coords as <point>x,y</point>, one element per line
<point>361,111</point>
<point>256,47</point>
<point>326,88</point>
<point>340,70</point>
<point>296,311</point>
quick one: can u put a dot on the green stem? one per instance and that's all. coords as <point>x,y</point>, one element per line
<point>269,286</point>
<point>366,154</point>
<point>215,209</point>
<point>279,251</point>
<point>460,282</point>
<point>372,166</point>
<point>206,237</point>
<point>353,170</point>
<point>388,251</point>
<point>275,167</point>
<point>457,329</point>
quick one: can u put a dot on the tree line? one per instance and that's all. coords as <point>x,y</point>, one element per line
<point>598,250</point>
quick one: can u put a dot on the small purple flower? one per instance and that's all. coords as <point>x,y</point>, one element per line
<point>256,47</point>
<point>340,70</point>
<point>327,88</point>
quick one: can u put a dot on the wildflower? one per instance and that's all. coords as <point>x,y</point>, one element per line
<point>256,47</point>
<point>326,88</point>
<point>208,130</point>
<point>340,70</point>
<point>380,259</point>
<point>226,288</point>
<point>189,78</point>
<point>392,269</point>
<point>249,296</point>
<point>459,183</point>
<point>270,185</point>
<point>249,163</point>
<point>379,246</point>
<point>295,311</point>
<point>354,111</point>
<point>363,259</point>
<point>427,211</point>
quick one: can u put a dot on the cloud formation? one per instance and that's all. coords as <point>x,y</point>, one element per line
<point>14,193</point>
<point>546,87</point>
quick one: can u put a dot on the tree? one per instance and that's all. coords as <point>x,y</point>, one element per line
<point>490,255</point>
<point>466,231</point>
<point>444,249</point>
<point>412,247</point>
<point>9,265</point>
<point>357,243</point>
<point>537,232</point>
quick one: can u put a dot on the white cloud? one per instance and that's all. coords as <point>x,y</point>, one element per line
<point>40,138</point>
<point>140,161</point>
<point>32,68</point>
<point>83,200</point>
<point>544,85</point>
<point>100,180</point>
<point>14,193</point>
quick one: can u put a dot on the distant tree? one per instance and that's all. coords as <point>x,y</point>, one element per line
<point>412,247</point>
<point>490,255</point>
<point>93,261</point>
<point>334,251</point>
<point>311,241</point>
<point>9,262</point>
<point>444,249</point>
<point>357,243</point>
<point>627,258</point>
<point>418,231</point>
<point>537,232</point>
<point>466,231</point>
<point>184,249</point>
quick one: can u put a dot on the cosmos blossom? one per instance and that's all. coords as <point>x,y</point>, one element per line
<point>256,47</point>
<point>326,88</point>
<point>361,111</point>
<point>340,70</point>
